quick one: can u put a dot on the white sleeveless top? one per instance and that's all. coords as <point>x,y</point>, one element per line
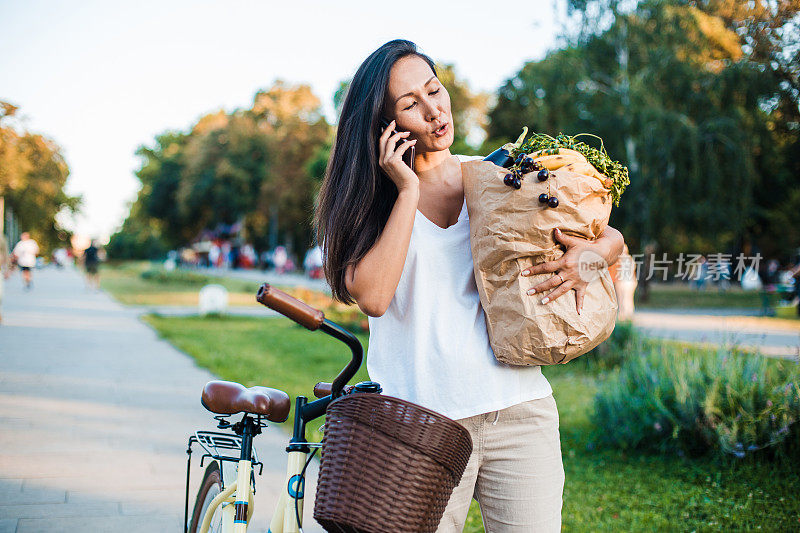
<point>431,346</point>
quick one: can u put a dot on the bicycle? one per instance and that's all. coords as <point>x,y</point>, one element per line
<point>224,502</point>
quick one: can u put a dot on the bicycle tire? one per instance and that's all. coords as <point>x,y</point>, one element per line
<point>209,488</point>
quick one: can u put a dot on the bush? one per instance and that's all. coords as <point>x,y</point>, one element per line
<point>178,277</point>
<point>352,320</point>
<point>699,401</point>
<point>613,350</point>
<point>136,245</point>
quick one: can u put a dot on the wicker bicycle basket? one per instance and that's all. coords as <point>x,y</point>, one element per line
<point>387,465</point>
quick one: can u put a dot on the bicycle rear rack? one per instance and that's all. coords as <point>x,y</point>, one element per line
<point>220,447</point>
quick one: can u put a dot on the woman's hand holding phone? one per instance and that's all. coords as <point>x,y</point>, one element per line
<point>390,157</point>
<point>373,280</point>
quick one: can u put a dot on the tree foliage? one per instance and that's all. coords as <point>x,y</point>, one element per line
<point>692,97</point>
<point>698,97</point>
<point>468,109</point>
<point>250,166</point>
<point>261,166</point>
<point>32,178</point>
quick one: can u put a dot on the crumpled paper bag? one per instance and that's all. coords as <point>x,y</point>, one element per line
<point>511,231</point>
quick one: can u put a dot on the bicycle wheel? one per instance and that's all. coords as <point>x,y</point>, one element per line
<point>209,489</point>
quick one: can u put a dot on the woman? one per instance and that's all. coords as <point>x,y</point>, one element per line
<point>396,241</point>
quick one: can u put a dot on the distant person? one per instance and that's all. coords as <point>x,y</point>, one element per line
<point>213,255</point>
<point>724,276</point>
<point>60,257</point>
<point>796,275</point>
<point>770,278</point>
<point>279,259</point>
<point>699,273</point>
<point>313,262</point>
<point>266,260</point>
<point>25,253</point>
<point>247,256</point>
<point>91,262</point>
<point>224,255</point>
<point>5,268</point>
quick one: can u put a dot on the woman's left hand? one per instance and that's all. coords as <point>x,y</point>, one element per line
<point>581,254</point>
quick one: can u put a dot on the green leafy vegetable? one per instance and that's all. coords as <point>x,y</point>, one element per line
<point>614,170</point>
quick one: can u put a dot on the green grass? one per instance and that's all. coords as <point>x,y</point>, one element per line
<point>124,281</point>
<point>787,313</point>
<point>680,296</point>
<point>611,490</point>
<point>605,490</point>
<point>662,296</point>
<point>273,352</point>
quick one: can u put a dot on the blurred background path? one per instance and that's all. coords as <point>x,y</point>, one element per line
<point>774,337</point>
<point>96,411</point>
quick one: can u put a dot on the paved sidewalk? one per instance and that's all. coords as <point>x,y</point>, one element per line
<point>95,413</point>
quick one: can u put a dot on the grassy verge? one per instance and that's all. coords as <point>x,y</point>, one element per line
<point>665,295</point>
<point>126,283</point>
<point>606,489</point>
<point>787,313</point>
<point>272,352</point>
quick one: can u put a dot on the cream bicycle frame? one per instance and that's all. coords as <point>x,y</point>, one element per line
<point>237,510</point>
<point>237,498</point>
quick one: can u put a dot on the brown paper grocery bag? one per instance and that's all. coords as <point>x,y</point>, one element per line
<point>511,231</point>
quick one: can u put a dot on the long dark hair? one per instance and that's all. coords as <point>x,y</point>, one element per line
<point>357,197</point>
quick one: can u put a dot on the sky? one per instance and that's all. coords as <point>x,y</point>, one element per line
<point>101,78</point>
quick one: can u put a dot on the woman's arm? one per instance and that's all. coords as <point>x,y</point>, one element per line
<point>610,244</point>
<point>605,250</point>
<point>373,281</point>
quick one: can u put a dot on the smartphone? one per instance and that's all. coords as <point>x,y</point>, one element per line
<point>408,155</point>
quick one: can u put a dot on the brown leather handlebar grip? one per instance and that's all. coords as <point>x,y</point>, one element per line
<point>300,312</point>
<point>322,389</point>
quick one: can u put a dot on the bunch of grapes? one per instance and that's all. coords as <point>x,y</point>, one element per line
<point>524,164</point>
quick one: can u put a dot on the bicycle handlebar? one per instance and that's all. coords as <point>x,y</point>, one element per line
<point>314,319</point>
<point>300,312</point>
<point>324,388</point>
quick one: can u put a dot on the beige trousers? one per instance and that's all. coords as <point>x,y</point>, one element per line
<point>515,470</point>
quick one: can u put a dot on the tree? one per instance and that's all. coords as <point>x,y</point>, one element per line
<point>675,94</point>
<point>161,173</point>
<point>296,130</point>
<point>468,109</point>
<point>32,178</point>
<point>770,33</point>
<point>140,237</point>
<point>256,166</point>
<point>225,166</point>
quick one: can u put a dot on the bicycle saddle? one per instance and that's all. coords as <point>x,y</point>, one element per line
<point>227,398</point>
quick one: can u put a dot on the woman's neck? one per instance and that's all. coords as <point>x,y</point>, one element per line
<point>432,167</point>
